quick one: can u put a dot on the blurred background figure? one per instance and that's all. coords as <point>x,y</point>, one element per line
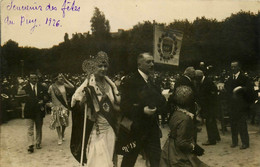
<point>207,99</point>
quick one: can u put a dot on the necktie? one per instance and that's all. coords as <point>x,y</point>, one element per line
<point>149,82</point>
<point>34,92</point>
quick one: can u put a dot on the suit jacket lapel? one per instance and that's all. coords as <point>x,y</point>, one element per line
<point>140,78</point>
<point>29,88</point>
<point>239,76</point>
<point>38,90</point>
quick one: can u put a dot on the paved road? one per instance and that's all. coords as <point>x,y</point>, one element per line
<point>13,151</point>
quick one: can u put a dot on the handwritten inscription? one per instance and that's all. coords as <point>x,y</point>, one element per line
<point>8,21</point>
<point>14,7</point>
<point>29,21</point>
<point>52,22</point>
<point>50,7</point>
<point>66,7</point>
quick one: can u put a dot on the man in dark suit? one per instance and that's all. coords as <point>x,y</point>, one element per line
<point>34,110</point>
<point>187,79</point>
<point>141,101</point>
<point>207,99</point>
<point>240,96</point>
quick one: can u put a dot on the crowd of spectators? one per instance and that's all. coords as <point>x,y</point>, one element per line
<point>12,97</point>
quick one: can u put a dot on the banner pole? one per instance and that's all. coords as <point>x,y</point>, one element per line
<point>154,23</point>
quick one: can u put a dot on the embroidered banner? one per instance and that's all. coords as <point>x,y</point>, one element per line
<point>167,45</point>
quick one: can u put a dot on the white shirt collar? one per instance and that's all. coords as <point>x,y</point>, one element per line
<point>203,78</point>
<point>33,85</point>
<point>145,77</point>
<point>237,74</point>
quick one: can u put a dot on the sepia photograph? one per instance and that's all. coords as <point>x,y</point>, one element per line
<point>133,83</point>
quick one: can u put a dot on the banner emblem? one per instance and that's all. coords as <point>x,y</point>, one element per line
<point>167,45</point>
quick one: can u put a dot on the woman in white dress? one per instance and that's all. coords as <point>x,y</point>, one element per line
<point>99,99</point>
<point>60,107</point>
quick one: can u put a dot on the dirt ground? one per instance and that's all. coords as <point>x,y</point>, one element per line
<point>13,150</point>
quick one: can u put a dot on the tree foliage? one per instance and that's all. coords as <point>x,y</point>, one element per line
<point>209,40</point>
<point>100,25</point>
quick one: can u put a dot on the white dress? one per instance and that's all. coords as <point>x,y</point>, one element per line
<point>100,147</point>
<point>59,113</point>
